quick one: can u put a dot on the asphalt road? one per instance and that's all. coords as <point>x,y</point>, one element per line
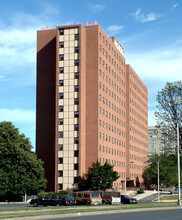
<point>171,214</point>
<point>149,199</point>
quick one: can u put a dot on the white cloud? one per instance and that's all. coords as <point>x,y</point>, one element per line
<point>18,45</point>
<point>3,78</point>
<point>114,29</point>
<point>139,16</point>
<point>162,64</point>
<point>174,6</point>
<point>18,116</point>
<point>96,7</point>
<point>155,68</point>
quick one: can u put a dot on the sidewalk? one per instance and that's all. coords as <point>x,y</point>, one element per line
<point>145,194</point>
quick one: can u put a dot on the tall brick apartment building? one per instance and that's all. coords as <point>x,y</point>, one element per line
<point>90,106</point>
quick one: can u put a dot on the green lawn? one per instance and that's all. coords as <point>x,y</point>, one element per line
<point>169,197</point>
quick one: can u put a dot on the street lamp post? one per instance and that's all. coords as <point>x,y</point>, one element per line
<point>158,179</point>
<point>125,177</point>
<point>178,156</point>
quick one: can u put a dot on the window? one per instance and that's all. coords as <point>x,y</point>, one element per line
<point>61,108</point>
<point>76,140</point>
<point>60,186</point>
<point>76,153</point>
<point>76,49</point>
<point>76,101</point>
<point>76,114</point>
<point>76,36</point>
<point>61,57</point>
<point>60,147</point>
<point>61,69</point>
<point>76,166</point>
<point>61,44</point>
<point>60,134</point>
<point>60,160</point>
<point>76,127</point>
<point>77,62</point>
<point>60,174</point>
<point>76,88</point>
<point>61,83</point>
<point>61,95</point>
<point>61,121</point>
<point>77,75</point>
<point>61,31</point>
<point>76,179</point>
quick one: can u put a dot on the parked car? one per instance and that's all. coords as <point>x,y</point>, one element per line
<point>128,200</point>
<point>175,191</point>
<point>107,200</point>
<point>111,200</point>
<point>88,198</point>
<point>55,200</point>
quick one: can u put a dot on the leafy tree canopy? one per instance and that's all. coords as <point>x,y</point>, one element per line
<point>20,170</point>
<point>167,170</point>
<point>100,177</point>
<point>169,112</point>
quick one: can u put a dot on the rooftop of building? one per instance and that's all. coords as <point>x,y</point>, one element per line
<point>87,24</point>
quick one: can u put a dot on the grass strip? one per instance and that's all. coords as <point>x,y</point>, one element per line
<point>81,210</point>
<point>172,197</point>
<point>31,208</point>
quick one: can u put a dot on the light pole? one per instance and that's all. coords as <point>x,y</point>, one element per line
<point>178,157</point>
<point>158,180</point>
<point>125,177</point>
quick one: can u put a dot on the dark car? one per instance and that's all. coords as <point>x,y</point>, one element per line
<point>128,200</point>
<point>54,200</point>
<point>107,200</point>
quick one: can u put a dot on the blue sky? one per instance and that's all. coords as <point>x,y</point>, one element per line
<point>150,32</point>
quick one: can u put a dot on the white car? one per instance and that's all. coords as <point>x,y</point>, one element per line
<point>175,191</point>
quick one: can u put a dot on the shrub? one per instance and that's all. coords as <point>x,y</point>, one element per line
<point>139,191</point>
<point>42,194</point>
<point>62,192</point>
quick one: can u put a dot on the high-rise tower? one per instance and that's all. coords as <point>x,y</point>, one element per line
<point>82,104</point>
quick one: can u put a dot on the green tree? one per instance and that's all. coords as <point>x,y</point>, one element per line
<point>169,112</point>
<point>100,177</point>
<point>20,170</point>
<point>167,170</point>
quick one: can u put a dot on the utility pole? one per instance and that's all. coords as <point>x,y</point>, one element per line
<point>178,157</point>
<point>158,179</point>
